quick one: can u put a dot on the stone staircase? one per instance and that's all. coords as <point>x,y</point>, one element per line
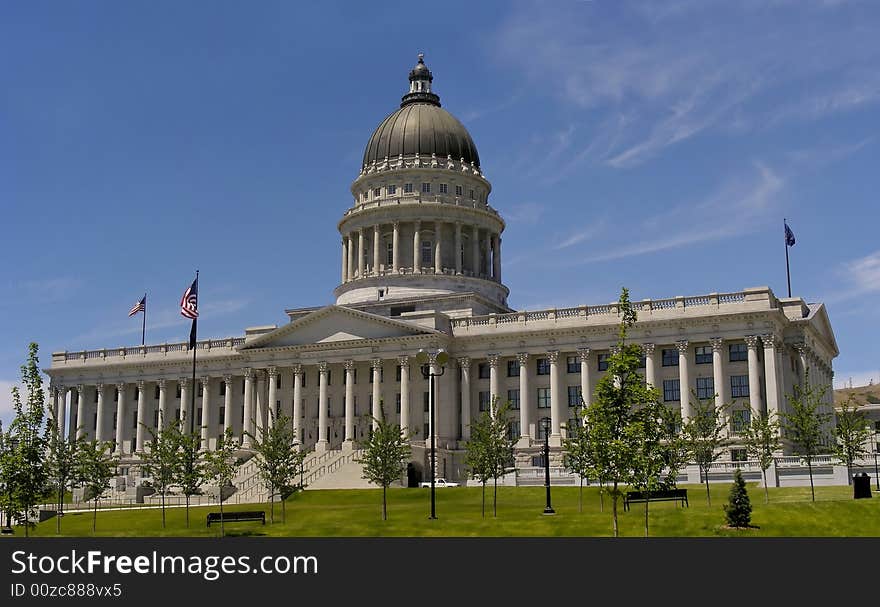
<point>342,472</point>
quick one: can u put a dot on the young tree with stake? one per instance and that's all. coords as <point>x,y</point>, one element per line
<point>804,423</point>
<point>279,460</point>
<point>221,464</point>
<point>761,441</point>
<point>850,434</point>
<point>95,466</point>
<point>704,436</point>
<point>385,455</point>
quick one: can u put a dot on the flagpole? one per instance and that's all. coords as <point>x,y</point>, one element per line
<point>195,330</point>
<point>787,271</point>
<point>144,328</point>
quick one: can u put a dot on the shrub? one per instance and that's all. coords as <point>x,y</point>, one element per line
<point>739,509</point>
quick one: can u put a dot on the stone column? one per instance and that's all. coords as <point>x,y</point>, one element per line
<point>100,434</point>
<point>351,258</point>
<point>248,429</point>
<point>475,250</point>
<point>403,361</point>
<point>185,402</point>
<point>322,444</point>
<point>260,404</point>
<point>376,241</point>
<point>805,364</point>
<point>586,392</point>
<point>458,260</point>
<point>650,364</point>
<point>163,403</point>
<point>141,417</point>
<point>465,363</point>
<point>227,403</point>
<point>77,430</point>
<point>556,402</point>
<point>273,397</point>
<point>684,380</point>
<point>719,376</point>
<point>770,374</point>
<point>348,444</point>
<point>525,401</point>
<point>493,382</point>
<point>417,248</point>
<point>344,261</point>
<point>438,252</point>
<point>395,248</point>
<point>754,374</point>
<point>360,253</point>
<point>487,262</point>
<point>120,415</point>
<point>496,257</point>
<point>207,419</point>
<point>61,410</point>
<point>376,369</point>
<point>297,404</point>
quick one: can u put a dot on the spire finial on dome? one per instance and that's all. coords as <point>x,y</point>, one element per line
<point>420,79</point>
<point>421,57</point>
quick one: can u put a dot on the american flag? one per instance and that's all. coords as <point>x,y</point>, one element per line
<point>140,306</point>
<point>189,302</point>
<point>789,235</point>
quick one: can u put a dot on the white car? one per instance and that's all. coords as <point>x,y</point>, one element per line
<point>438,482</point>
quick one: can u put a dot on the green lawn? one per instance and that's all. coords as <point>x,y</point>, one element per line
<point>358,513</point>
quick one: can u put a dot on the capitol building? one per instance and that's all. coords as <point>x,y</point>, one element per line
<point>421,266</point>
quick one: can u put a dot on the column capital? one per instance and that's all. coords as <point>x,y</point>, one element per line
<point>360,231</point>
<point>297,369</point>
<point>395,224</point>
<point>227,379</point>
<point>184,382</point>
<point>376,363</point>
<point>204,379</point>
<point>493,360</point>
<point>682,345</point>
<point>523,358</point>
<point>99,386</point>
<point>769,341</point>
<point>464,362</point>
<point>752,341</point>
<point>248,373</point>
<point>348,365</point>
<point>614,349</point>
<point>584,354</point>
<point>717,343</point>
<point>648,349</point>
<point>80,388</point>
<point>140,385</point>
<point>120,386</point>
<point>553,356</point>
<point>272,371</point>
<point>418,224</point>
<point>162,383</point>
<point>403,360</point>
<point>323,367</point>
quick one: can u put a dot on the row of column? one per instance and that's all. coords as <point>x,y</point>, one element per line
<point>354,249</point>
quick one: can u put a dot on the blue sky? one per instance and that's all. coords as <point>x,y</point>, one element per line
<point>652,145</point>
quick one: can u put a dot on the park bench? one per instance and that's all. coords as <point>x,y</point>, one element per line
<point>666,495</point>
<point>235,517</point>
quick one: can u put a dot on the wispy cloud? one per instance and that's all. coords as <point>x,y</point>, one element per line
<point>858,277</point>
<point>582,234</point>
<point>526,213</point>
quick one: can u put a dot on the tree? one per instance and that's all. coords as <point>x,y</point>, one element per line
<point>478,454</point>
<point>189,474</point>
<point>27,443</point>
<point>279,460</point>
<point>761,440</point>
<point>221,464</point>
<point>161,460</point>
<point>94,469</point>
<point>804,423</point>
<point>60,461</point>
<point>850,434</point>
<point>385,455</point>
<point>738,509</point>
<point>704,436</point>
<point>7,476</point>
<point>618,395</point>
<point>578,452</point>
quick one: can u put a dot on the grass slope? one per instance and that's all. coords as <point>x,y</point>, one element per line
<point>348,513</point>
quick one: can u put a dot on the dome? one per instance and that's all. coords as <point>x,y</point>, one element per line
<point>421,127</point>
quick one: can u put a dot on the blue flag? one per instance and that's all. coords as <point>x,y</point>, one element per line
<point>789,235</point>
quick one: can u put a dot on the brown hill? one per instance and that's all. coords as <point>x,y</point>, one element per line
<point>862,394</point>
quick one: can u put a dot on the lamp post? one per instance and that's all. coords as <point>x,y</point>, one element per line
<point>545,426</point>
<point>427,360</point>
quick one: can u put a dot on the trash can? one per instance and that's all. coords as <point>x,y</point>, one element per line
<point>861,486</point>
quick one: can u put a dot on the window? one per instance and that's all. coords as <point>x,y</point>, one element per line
<point>199,416</point>
<point>671,390</point>
<point>221,418</point>
<point>738,455</point>
<point>444,189</point>
<point>426,188</point>
<point>513,368</point>
<point>513,430</point>
<point>458,190</point>
<point>472,194</point>
<point>377,192</point>
<point>407,188</point>
<point>397,400</point>
<point>156,394</point>
<point>543,365</point>
<point>156,418</point>
<point>426,402</point>
<point>115,418</point>
<point>278,381</point>
<point>392,190</point>
<point>222,388</point>
<point>705,387</point>
<point>703,355</point>
<point>670,357</point>
<point>178,390</point>
<point>366,195</point>
<point>738,352</point>
<point>134,420</point>
<point>542,434</point>
<point>602,362</point>
<point>303,379</point>
<point>543,398</point>
<point>389,254</point>
<point>485,398</point>
<point>740,420</point>
<point>200,389</point>
<point>574,396</point>
<point>427,252</point>
<point>643,362</point>
<point>483,370</point>
<point>513,397</point>
<point>397,373</point>
<point>572,364</point>
<point>426,431</point>
<point>739,386</point>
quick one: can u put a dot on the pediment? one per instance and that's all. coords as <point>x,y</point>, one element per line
<point>336,324</point>
<point>820,321</point>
